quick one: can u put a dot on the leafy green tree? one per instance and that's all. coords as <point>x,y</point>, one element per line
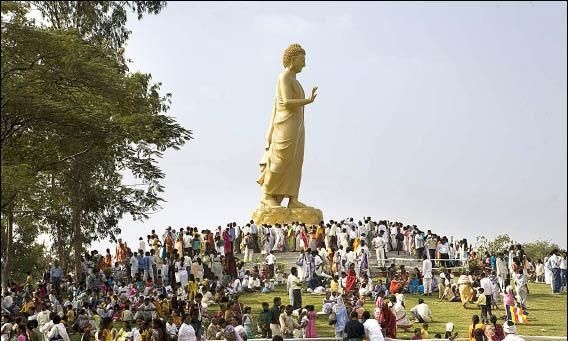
<point>74,120</point>
<point>501,243</point>
<point>539,249</point>
<point>99,22</point>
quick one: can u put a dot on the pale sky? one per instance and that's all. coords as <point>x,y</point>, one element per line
<point>450,116</point>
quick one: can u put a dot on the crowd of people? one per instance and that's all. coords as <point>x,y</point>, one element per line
<point>185,285</point>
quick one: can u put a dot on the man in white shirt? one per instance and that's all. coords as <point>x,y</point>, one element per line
<point>380,244</point>
<point>363,229</point>
<point>487,286</point>
<point>372,328</point>
<point>502,271</point>
<point>427,273</point>
<point>352,234</point>
<point>249,247</point>
<point>142,245</point>
<point>393,233</point>
<point>187,242</point>
<point>238,239</point>
<point>563,271</point>
<point>292,284</point>
<point>271,260</point>
<point>318,262</point>
<point>186,331</point>
<point>555,266</point>
<point>134,265</point>
<point>421,312</point>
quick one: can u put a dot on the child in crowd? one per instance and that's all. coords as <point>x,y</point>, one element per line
<point>264,319</point>
<point>328,303</point>
<point>247,322</point>
<point>424,331</point>
<point>417,334</point>
<point>482,303</point>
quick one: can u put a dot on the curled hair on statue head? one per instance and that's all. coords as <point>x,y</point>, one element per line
<point>292,51</point>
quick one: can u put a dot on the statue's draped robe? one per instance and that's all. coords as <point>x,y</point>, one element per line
<point>281,164</point>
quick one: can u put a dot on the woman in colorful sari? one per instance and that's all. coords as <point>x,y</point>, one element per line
<point>156,245</point>
<point>291,237</point>
<point>313,240</point>
<point>351,278</point>
<point>356,244</point>
<point>304,239</point>
<point>210,242</point>
<point>179,242</point>
<point>388,321</point>
<point>400,314</point>
<point>364,264</point>
<point>227,241</point>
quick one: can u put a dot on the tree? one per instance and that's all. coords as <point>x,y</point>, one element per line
<point>99,22</point>
<point>73,121</point>
<point>501,243</point>
<point>539,249</point>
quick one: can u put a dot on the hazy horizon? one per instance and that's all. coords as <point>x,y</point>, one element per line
<point>449,116</point>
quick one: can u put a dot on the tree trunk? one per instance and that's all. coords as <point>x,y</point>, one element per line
<point>77,239</point>
<point>63,258</point>
<point>8,251</point>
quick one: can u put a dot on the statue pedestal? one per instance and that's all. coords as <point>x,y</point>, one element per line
<point>284,215</point>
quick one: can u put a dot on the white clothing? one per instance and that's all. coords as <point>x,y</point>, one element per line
<point>171,329</point>
<point>427,268</point>
<point>424,311</point>
<point>186,333</point>
<point>270,259</point>
<point>373,330</point>
<point>487,286</point>
<point>58,329</point>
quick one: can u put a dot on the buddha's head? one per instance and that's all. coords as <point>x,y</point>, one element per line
<point>294,58</point>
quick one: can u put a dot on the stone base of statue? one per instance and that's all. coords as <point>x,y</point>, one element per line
<point>283,215</point>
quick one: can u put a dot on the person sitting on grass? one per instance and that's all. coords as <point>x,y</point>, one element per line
<point>399,312</point>
<point>421,312</point>
<point>475,325</point>
<point>424,331</point>
<point>417,335</point>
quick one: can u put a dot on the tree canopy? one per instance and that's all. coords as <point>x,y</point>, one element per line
<point>74,120</point>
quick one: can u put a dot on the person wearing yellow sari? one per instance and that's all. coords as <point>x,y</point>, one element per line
<point>466,290</point>
<point>356,244</point>
<point>192,287</point>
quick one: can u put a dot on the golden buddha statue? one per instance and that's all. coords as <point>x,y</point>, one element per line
<point>281,164</point>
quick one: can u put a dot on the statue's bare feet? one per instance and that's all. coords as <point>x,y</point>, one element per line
<point>269,200</point>
<point>294,203</point>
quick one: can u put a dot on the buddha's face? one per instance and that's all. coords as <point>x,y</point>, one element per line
<point>298,63</point>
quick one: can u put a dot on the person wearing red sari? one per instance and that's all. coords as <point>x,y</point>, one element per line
<point>351,278</point>
<point>388,321</point>
<point>210,242</point>
<point>227,241</point>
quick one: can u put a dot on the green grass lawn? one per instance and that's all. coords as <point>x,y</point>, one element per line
<point>547,312</point>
